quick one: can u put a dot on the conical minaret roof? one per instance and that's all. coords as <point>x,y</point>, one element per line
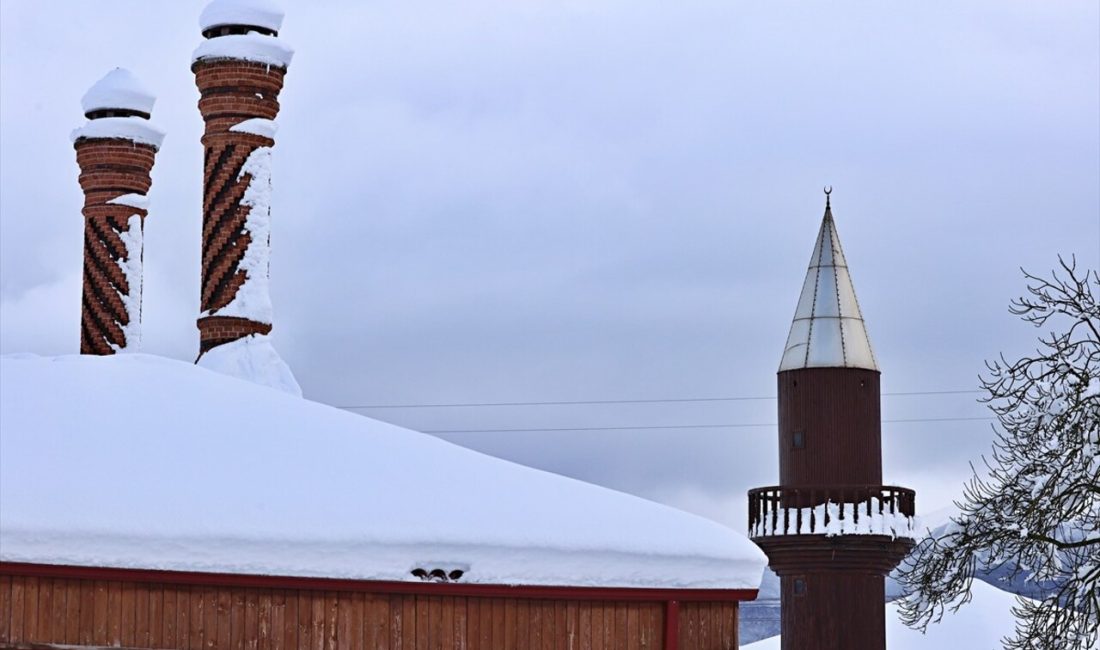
<point>828,329</point>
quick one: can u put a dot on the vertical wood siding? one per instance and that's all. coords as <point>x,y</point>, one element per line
<point>187,617</point>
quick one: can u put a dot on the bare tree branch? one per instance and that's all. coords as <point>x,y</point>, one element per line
<point>1035,507</point>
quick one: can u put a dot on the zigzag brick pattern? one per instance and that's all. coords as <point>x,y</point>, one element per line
<point>231,91</point>
<point>109,168</point>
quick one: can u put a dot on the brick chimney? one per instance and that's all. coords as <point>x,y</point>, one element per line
<point>115,149</point>
<point>239,71</point>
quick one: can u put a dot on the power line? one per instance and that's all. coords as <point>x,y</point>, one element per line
<point>734,425</point>
<point>623,401</point>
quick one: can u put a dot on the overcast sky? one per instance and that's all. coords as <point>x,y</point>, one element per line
<point>587,200</point>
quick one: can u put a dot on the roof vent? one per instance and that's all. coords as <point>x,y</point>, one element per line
<point>440,574</point>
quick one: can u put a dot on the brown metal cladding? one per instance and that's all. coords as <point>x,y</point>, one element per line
<point>824,604</point>
<point>838,413</point>
<point>840,603</point>
<point>874,555</point>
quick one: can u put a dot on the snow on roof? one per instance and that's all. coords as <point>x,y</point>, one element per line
<point>828,329</point>
<point>119,89</point>
<point>253,13</point>
<point>135,129</point>
<point>981,623</point>
<point>258,48</point>
<point>252,358</point>
<point>159,464</point>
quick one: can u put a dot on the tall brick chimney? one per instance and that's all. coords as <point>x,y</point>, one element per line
<point>115,150</point>
<point>239,71</point>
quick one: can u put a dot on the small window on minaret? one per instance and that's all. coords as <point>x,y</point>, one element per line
<point>799,439</point>
<point>799,587</point>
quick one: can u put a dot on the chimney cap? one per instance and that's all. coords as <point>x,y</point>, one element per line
<point>119,90</point>
<point>263,14</point>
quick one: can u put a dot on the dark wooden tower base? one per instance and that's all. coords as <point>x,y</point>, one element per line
<point>834,586</point>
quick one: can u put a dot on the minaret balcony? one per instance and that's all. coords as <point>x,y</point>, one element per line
<point>832,511</point>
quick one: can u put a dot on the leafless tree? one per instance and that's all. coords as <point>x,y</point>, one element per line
<point>1035,507</point>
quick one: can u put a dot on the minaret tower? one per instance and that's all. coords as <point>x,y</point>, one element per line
<point>115,149</point>
<point>239,71</point>
<point>831,530</point>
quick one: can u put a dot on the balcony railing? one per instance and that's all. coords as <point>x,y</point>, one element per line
<point>833,510</point>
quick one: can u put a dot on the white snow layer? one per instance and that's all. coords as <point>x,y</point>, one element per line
<point>131,267</point>
<point>254,359</point>
<point>258,48</point>
<point>135,129</point>
<point>139,201</point>
<point>119,89</point>
<point>828,329</point>
<point>253,298</point>
<point>832,519</point>
<point>982,623</point>
<point>253,13</point>
<point>159,464</point>
<point>257,126</point>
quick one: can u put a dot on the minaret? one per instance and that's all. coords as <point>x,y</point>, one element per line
<point>239,71</point>
<point>831,530</point>
<point>115,149</point>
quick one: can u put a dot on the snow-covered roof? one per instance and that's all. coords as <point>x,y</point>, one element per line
<point>981,623</point>
<point>119,89</point>
<point>258,48</point>
<point>828,329</point>
<point>155,463</point>
<point>135,129</point>
<point>252,13</point>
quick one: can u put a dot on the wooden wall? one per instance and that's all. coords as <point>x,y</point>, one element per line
<point>708,625</point>
<point>193,617</point>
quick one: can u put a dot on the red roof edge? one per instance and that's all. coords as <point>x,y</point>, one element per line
<point>375,586</point>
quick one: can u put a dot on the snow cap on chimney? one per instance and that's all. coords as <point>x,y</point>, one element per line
<point>263,15</point>
<point>243,30</point>
<point>118,107</point>
<point>118,91</point>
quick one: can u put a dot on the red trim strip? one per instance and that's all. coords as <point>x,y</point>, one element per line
<point>375,586</point>
<point>672,625</point>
